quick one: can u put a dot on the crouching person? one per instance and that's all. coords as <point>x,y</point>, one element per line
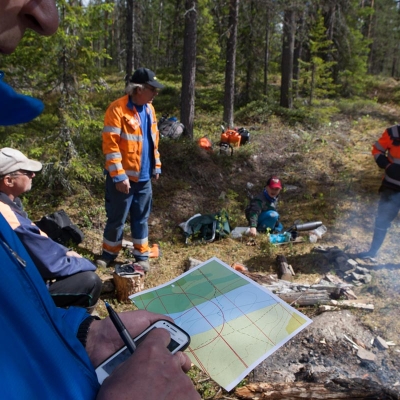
<point>262,213</point>
<point>72,280</point>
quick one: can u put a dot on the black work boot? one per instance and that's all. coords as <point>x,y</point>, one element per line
<point>377,240</point>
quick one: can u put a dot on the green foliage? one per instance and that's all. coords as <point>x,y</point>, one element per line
<point>358,106</point>
<point>67,136</point>
<point>258,111</point>
<point>312,117</point>
<point>353,78</point>
<point>316,80</point>
<point>208,59</point>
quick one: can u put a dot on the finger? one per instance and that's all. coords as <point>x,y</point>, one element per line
<point>184,361</point>
<point>137,321</point>
<point>157,338</point>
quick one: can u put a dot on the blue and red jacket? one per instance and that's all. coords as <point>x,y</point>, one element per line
<point>41,357</point>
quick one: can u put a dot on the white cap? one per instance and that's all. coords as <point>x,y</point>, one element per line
<point>12,160</point>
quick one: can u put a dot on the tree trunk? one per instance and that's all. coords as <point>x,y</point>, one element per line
<point>189,67</point>
<point>266,51</point>
<point>312,88</point>
<point>297,54</point>
<point>129,39</point>
<point>250,55</point>
<point>287,59</point>
<point>230,68</point>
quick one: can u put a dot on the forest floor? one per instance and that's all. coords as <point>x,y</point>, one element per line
<point>330,176</point>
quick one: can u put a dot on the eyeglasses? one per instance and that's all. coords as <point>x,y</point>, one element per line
<point>29,174</point>
<point>151,88</point>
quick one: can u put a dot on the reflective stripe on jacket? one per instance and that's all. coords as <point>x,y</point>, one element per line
<point>41,356</point>
<point>123,138</point>
<point>386,152</point>
<point>49,256</point>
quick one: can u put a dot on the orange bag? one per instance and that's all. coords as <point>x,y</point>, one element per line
<point>205,143</point>
<point>232,137</point>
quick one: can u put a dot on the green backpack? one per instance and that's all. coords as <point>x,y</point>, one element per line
<point>207,227</point>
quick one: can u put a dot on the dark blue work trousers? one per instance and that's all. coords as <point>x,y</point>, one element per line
<point>388,207</point>
<point>138,204</point>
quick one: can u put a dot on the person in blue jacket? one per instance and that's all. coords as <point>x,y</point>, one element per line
<point>71,278</point>
<point>49,352</point>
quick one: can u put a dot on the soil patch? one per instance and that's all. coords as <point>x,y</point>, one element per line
<point>325,347</point>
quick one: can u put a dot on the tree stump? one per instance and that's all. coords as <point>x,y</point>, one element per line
<point>127,285</point>
<point>285,271</point>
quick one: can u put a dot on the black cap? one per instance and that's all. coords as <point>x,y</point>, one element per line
<point>144,75</point>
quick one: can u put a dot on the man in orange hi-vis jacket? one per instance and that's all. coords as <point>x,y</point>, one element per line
<point>130,145</point>
<point>386,152</point>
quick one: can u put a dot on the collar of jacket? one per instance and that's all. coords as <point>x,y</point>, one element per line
<point>15,205</point>
<point>269,198</point>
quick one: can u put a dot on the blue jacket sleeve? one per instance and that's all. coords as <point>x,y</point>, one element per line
<point>73,317</point>
<point>55,364</point>
<point>49,256</point>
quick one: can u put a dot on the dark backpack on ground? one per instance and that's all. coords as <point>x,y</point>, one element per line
<point>208,227</point>
<point>170,127</point>
<point>60,228</point>
<point>244,136</point>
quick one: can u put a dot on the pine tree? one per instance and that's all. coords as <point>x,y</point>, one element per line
<point>316,79</point>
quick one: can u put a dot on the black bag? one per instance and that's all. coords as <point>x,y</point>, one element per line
<point>244,136</point>
<point>60,228</point>
<point>207,227</point>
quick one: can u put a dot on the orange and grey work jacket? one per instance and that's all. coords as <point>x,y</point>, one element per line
<point>386,152</point>
<point>123,140</point>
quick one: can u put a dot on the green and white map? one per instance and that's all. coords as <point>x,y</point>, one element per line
<point>234,323</point>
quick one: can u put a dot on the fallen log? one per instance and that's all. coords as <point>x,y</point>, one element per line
<point>306,298</point>
<point>335,389</point>
<point>352,304</point>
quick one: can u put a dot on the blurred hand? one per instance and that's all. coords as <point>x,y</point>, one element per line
<point>104,340</point>
<point>123,186</point>
<point>253,232</point>
<point>72,253</point>
<point>152,372</point>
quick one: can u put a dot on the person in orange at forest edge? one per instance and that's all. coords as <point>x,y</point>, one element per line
<point>130,144</point>
<point>386,152</point>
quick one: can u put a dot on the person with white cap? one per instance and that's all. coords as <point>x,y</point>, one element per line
<point>71,279</point>
<point>262,213</point>
<point>130,145</point>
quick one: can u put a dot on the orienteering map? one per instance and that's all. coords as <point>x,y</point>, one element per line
<point>234,322</point>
